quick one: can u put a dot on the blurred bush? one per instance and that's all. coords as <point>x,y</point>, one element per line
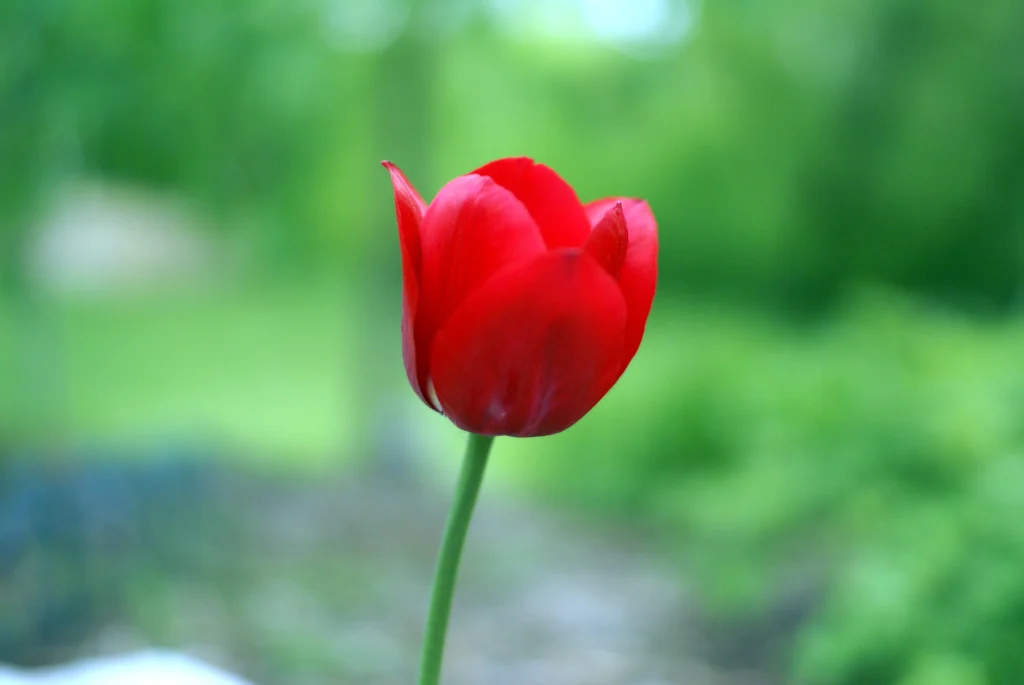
<point>870,470</point>
<point>245,108</point>
<point>791,150</point>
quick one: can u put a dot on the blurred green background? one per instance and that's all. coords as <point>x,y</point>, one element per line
<point>822,435</point>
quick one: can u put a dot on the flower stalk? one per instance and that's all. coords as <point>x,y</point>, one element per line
<point>446,574</point>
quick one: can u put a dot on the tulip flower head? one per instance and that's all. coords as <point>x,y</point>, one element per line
<point>521,307</point>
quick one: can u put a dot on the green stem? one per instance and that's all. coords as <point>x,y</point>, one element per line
<point>472,474</point>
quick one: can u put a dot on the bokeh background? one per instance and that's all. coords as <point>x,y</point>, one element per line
<point>813,472</point>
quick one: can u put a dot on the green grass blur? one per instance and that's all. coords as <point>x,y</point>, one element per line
<point>265,368</point>
<point>830,392</point>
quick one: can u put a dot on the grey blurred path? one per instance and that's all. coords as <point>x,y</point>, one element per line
<point>325,580</point>
<point>541,600</point>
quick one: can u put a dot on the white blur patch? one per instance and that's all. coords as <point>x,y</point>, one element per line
<point>139,668</point>
<point>101,239</point>
<point>625,20</point>
<point>365,25</point>
<point>640,28</point>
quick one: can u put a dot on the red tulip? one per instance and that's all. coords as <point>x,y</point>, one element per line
<point>521,306</point>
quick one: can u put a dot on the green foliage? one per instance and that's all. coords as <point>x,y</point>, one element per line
<point>238,105</point>
<point>791,151</point>
<point>882,455</point>
<point>273,367</point>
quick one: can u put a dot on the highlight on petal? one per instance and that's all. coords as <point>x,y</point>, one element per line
<point>550,200</point>
<point>608,241</point>
<point>533,350</point>
<point>473,229</point>
<point>409,211</point>
<point>639,276</point>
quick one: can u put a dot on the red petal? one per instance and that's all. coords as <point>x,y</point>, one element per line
<point>409,210</point>
<point>608,241</point>
<point>533,350</point>
<point>639,276</point>
<point>473,229</point>
<point>552,202</point>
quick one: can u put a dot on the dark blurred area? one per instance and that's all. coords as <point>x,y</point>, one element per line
<point>813,473</point>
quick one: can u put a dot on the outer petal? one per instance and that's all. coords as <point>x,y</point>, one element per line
<point>639,276</point>
<point>409,211</point>
<point>533,350</point>
<point>473,229</point>
<point>551,201</point>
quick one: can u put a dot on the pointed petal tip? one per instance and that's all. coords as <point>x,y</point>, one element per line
<point>609,241</point>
